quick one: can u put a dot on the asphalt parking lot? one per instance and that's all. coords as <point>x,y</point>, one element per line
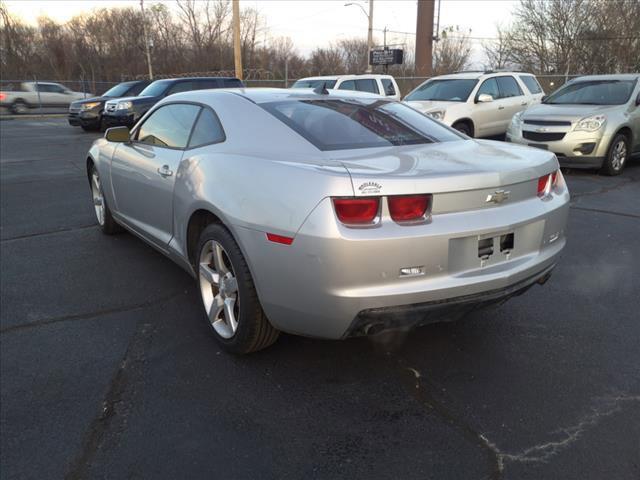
<point>109,371</point>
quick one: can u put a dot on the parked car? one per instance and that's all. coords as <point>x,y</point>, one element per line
<point>87,113</point>
<point>30,95</point>
<point>128,110</point>
<point>478,104</point>
<point>384,85</point>
<point>328,215</point>
<point>589,122</point>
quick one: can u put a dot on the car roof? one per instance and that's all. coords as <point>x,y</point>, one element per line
<point>194,78</point>
<point>265,95</point>
<point>347,77</point>
<point>619,76</point>
<point>472,75</point>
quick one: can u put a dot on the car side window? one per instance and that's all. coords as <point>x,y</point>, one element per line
<point>168,126</point>
<point>207,130</point>
<point>531,83</point>
<point>207,84</point>
<point>367,85</point>
<point>181,87</point>
<point>45,88</point>
<point>489,87</point>
<point>389,88</point>
<point>508,87</point>
<point>347,85</point>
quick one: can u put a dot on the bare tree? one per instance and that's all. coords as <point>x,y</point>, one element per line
<point>497,51</point>
<point>452,52</point>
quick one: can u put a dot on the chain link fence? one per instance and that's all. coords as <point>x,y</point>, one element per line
<point>49,101</point>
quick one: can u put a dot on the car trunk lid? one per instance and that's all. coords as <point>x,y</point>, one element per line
<point>461,175</point>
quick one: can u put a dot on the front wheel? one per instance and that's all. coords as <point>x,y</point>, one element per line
<point>616,156</point>
<point>463,128</point>
<point>103,214</point>
<point>229,296</point>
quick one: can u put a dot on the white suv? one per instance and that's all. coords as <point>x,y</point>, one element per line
<point>384,85</point>
<point>479,104</point>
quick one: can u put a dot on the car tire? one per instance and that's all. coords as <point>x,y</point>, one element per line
<point>18,107</point>
<point>617,156</point>
<point>230,301</point>
<point>103,214</point>
<point>463,127</point>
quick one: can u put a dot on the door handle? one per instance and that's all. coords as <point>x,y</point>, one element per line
<point>500,107</point>
<point>524,104</point>
<point>165,171</point>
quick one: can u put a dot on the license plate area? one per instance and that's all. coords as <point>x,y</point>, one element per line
<point>499,244</point>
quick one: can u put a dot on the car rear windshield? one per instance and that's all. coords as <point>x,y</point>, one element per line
<point>314,83</point>
<point>342,124</point>
<point>531,83</point>
<point>455,90</point>
<point>156,88</point>
<point>593,92</point>
<point>119,90</point>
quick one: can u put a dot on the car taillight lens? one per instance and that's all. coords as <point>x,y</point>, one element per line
<point>408,208</point>
<point>547,183</point>
<point>356,211</point>
<point>2,96</point>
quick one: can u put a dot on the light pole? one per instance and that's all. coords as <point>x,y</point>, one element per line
<point>146,40</point>
<point>370,33</point>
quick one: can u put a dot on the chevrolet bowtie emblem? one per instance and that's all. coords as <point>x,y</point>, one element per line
<point>498,196</point>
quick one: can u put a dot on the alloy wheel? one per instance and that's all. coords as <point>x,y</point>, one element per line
<point>219,289</point>
<point>619,155</point>
<point>98,199</point>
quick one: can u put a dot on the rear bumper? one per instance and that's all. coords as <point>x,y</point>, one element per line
<point>377,320</point>
<point>331,276</point>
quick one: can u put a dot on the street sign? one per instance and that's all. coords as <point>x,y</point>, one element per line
<point>387,56</point>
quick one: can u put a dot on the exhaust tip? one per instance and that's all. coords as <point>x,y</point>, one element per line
<point>543,279</point>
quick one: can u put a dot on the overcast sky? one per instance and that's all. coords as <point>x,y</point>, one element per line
<point>312,23</point>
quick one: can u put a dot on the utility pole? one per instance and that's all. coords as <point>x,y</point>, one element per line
<point>146,40</point>
<point>370,32</point>
<point>424,38</point>
<point>237,52</point>
<point>370,35</point>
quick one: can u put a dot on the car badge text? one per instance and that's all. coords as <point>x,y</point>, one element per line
<point>370,187</point>
<point>498,196</point>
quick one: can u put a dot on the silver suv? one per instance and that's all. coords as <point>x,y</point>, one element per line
<point>590,122</point>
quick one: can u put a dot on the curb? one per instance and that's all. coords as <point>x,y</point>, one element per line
<point>32,116</point>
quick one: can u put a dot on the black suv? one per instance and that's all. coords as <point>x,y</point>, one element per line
<point>87,113</point>
<point>127,111</point>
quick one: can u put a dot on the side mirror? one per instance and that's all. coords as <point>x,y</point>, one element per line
<point>117,134</point>
<point>485,98</point>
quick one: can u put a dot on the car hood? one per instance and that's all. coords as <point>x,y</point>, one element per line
<point>430,105</point>
<point>567,112</point>
<point>445,167</point>
<point>93,99</point>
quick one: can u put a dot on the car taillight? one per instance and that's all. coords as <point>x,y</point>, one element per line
<point>547,183</point>
<point>357,211</point>
<point>2,96</point>
<point>408,208</point>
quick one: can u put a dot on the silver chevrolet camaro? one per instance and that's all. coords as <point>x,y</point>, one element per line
<point>327,213</point>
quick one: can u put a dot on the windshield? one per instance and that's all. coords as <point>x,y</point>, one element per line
<point>119,90</point>
<point>156,89</point>
<point>593,92</point>
<point>340,124</point>
<point>456,90</point>
<point>314,83</point>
